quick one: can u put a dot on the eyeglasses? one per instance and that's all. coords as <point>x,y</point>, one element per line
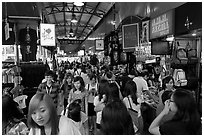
<point>171,100</point>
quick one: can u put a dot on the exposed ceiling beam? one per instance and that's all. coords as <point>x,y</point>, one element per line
<point>100,22</point>
<point>91,17</point>
<point>78,23</point>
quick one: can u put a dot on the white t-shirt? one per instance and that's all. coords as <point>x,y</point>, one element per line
<point>134,106</point>
<point>98,114</point>
<point>91,96</point>
<point>141,85</point>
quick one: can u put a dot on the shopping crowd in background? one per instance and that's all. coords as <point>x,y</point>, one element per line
<point>84,99</point>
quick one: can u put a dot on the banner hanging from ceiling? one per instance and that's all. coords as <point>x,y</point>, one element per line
<point>47,34</point>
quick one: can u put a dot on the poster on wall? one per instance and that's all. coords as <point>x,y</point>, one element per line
<point>47,34</point>
<point>99,44</point>
<point>130,34</point>
<point>145,33</point>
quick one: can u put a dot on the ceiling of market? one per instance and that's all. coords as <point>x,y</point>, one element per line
<point>94,18</point>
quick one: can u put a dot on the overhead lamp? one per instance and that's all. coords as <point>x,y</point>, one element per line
<point>78,3</point>
<point>74,19</point>
<point>71,32</point>
<point>193,34</point>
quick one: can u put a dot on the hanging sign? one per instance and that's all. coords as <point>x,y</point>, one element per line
<point>162,25</point>
<point>130,36</point>
<point>47,34</point>
<point>99,44</point>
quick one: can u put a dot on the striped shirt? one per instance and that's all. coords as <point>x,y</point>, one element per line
<point>53,91</point>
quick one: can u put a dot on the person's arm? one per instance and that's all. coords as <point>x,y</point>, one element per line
<point>39,88</point>
<point>151,96</point>
<point>154,127</point>
<point>70,96</point>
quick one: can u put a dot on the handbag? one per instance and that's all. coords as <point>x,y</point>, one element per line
<point>138,121</point>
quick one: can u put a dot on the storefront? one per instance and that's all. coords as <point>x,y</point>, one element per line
<point>188,44</point>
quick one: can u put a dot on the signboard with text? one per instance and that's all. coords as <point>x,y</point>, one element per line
<point>162,25</point>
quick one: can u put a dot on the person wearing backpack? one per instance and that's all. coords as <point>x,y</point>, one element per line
<point>134,108</point>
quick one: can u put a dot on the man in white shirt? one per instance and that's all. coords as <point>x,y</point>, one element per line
<point>142,85</point>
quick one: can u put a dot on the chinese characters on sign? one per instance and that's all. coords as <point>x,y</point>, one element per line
<point>162,25</point>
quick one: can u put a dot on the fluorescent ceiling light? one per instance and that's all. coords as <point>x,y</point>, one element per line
<point>78,3</point>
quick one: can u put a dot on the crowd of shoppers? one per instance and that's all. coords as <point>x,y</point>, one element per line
<point>82,99</point>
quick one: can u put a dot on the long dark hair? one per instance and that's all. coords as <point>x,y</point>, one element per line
<point>187,110</point>
<point>74,111</point>
<point>102,88</point>
<point>33,105</point>
<point>113,92</point>
<point>10,109</point>
<point>80,79</point>
<point>131,89</point>
<point>166,80</point>
<point>116,120</point>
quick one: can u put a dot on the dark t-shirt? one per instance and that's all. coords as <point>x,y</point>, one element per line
<point>174,128</point>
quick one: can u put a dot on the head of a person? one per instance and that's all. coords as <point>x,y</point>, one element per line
<point>166,95</point>
<point>102,88</point>
<point>69,77</point>
<point>78,83</point>
<point>49,75</point>
<point>131,89</point>
<point>132,74</point>
<point>74,111</point>
<point>168,83</point>
<point>113,92</point>
<point>10,109</point>
<point>145,74</point>
<point>139,66</point>
<point>92,78</point>
<point>183,103</point>
<point>116,120</point>
<point>109,75</point>
<point>17,79</point>
<point>42,112</point>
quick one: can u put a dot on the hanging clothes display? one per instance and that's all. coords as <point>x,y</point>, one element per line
<point>28,44</point>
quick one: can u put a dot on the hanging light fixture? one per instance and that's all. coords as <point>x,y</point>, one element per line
<point>74,19</point>
<point>78,3</point>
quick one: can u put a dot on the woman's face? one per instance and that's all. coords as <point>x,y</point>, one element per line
<point>93,81</point>
<point>41,115</point>
<point>77,85</point>
<point>69,79</point>
<point>169,85</point>
<point>172,105</point>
